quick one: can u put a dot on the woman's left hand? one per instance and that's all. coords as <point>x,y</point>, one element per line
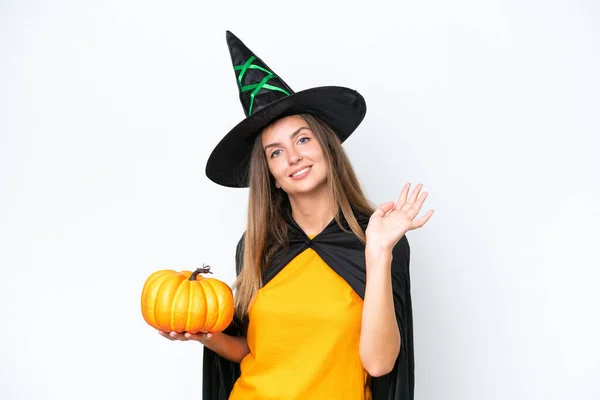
<point>391,221</point>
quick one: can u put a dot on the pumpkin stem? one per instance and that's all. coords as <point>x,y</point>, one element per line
<point>201,270</point>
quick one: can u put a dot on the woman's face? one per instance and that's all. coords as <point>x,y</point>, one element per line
<point>294,156</point>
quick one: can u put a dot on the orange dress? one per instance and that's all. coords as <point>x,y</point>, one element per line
<point>303,335</point>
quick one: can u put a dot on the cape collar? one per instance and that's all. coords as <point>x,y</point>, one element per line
<point>333,243</point>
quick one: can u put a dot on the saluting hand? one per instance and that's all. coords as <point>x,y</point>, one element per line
<point>391,221</point>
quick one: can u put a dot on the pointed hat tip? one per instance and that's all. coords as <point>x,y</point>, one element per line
<point>229,35</point>
<point>234,42</point>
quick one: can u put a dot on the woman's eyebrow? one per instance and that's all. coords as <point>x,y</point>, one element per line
<point>294,134</point>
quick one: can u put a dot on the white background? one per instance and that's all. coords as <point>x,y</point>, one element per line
<point>109,110</point>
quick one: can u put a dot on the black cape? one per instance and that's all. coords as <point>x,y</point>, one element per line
<point>345,254</point>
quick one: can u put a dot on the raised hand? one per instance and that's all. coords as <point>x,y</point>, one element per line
<point>391,221</point>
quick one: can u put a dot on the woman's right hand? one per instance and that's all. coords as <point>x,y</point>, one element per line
<point>200,336</point>
<point>233,348</point>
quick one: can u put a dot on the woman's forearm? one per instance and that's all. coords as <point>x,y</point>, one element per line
<point>380,337</point>
<point>233,348</point>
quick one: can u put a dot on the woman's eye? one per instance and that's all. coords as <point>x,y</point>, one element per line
<point>303,140</point>
<point>275,153</point>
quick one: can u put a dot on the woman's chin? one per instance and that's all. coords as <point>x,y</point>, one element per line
<point>303,187</point>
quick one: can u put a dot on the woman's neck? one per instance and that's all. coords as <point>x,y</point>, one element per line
<point>313,212</point>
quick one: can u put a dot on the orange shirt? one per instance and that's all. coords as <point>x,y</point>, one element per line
<point>303,335</point>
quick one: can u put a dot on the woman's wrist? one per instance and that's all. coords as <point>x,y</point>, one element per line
<point>377,251</point>
<point>375,248</point>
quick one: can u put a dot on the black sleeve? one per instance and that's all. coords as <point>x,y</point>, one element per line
<point>401,285</point>
<point>219,374</point>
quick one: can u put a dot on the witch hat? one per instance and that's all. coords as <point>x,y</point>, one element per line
<point>265,98</point>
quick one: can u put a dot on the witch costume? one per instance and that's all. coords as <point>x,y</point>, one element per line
<point>334,259</point>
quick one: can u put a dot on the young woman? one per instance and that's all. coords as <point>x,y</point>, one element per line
<point>323,305</point>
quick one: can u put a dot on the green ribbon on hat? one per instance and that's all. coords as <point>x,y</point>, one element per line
<point>257,86</point>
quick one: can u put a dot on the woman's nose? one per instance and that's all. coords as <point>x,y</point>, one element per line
<point>295,156</point>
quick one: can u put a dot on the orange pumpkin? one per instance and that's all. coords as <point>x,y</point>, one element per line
<point>187,302</point>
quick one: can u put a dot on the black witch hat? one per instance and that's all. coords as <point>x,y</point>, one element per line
<point>265,98</point>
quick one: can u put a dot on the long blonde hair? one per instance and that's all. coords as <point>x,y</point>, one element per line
<point>266,229</point>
